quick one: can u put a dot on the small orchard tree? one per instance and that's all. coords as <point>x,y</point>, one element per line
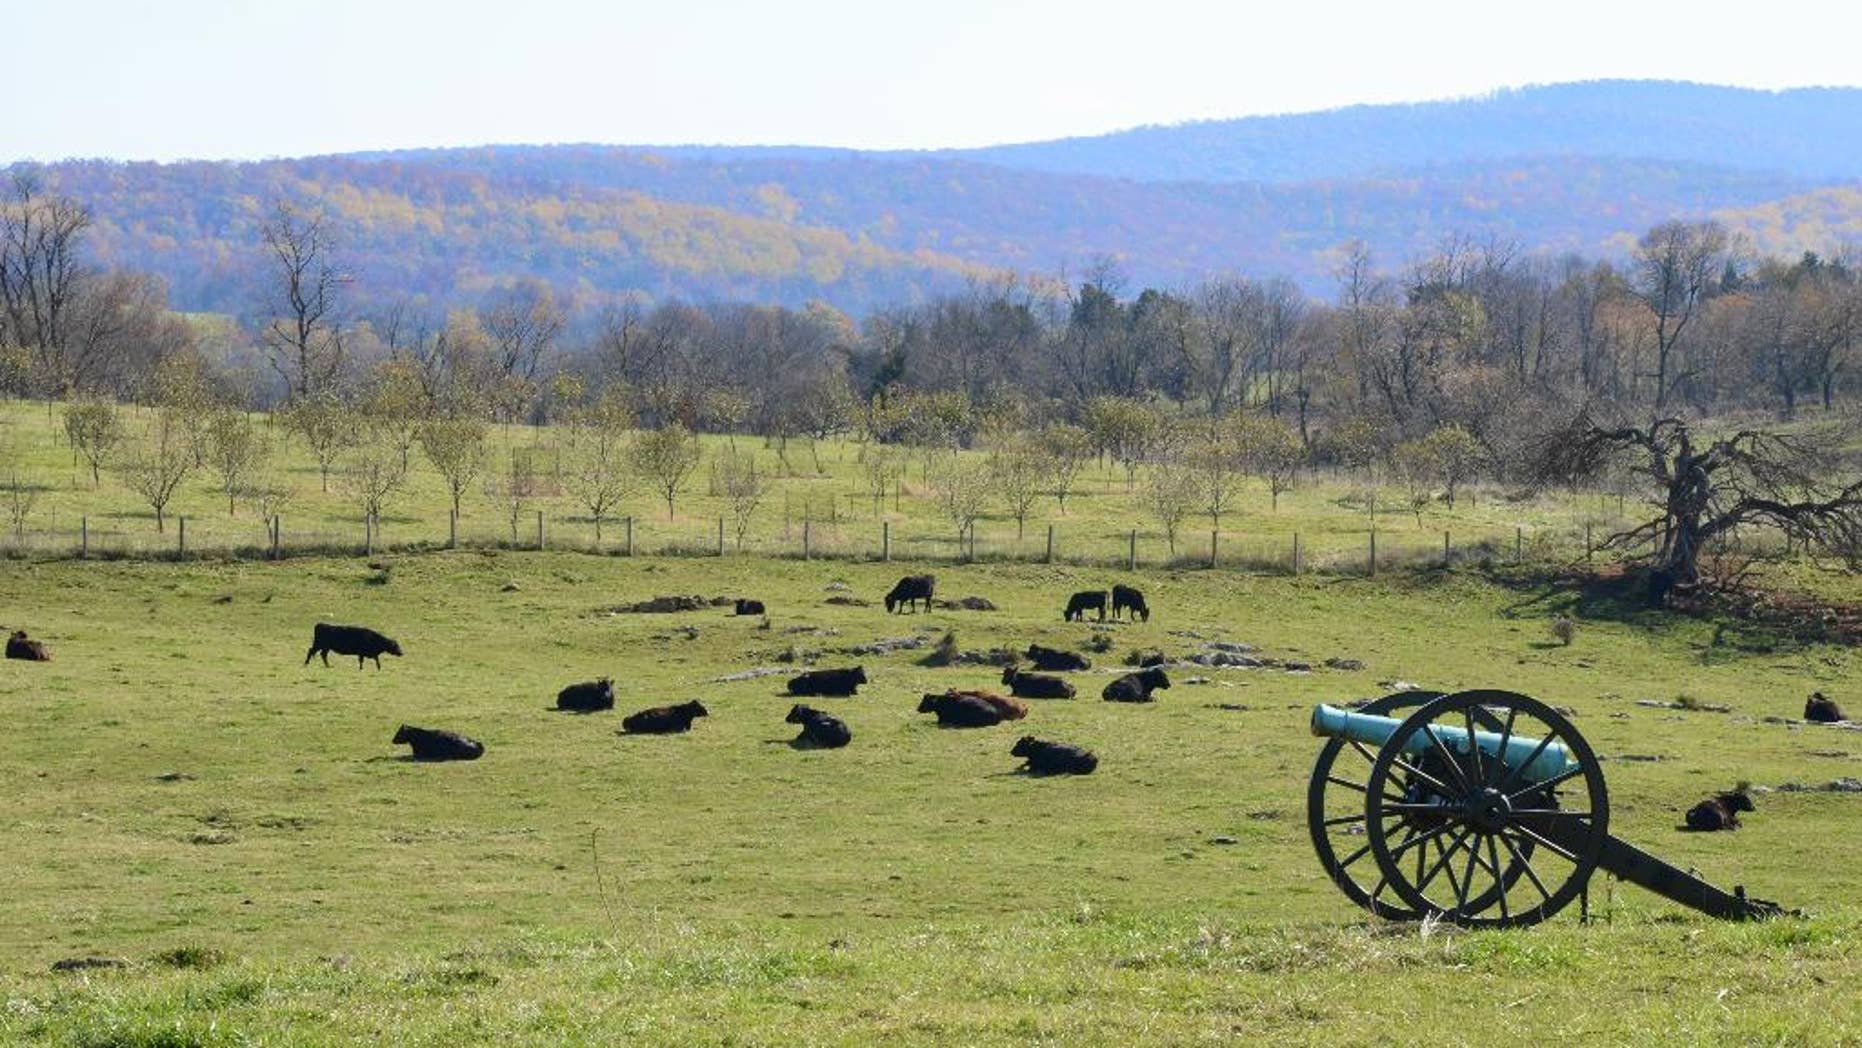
<point>1457,457</point>
<point>235,448</point>
<point>182,387</point>
<point>666,459</point>
<point>1171,493</point>
<point>880,466</point>
<point>514,488</point>
<point>328,427</point>
<point>598,472</point>
<point>397,406</point>
<point>1215,459</point>
<point>372,476</point>
<point>94,429</point>
<point>20,499</point>
<point>267,493</point>
<point>1271,450</point>
<point>156,464</point>
<point>1016,472</point>
<point>1069,448</point>
<point>743,488</point>
<point>960,490</point>
<point>455,445</point>
<point>1415,466</point>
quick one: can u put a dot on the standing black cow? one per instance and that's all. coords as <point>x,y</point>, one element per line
<point>587,697</point>
<point>819,729</point>
<point>1053,758</point>
<point>432,744</point>
<point>1055,660</point>
<point>1136,687</point>
<point>1081,603</point>
<point>841,683</point>
<point>359,641</point>
<point>664,720</point>
<point>909,591</point>
<point>1125,598</point>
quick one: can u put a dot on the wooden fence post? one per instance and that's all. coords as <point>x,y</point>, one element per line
<point>885,540</point>
<point>1212,546</point>
<point>183,536</point>
<point>1296,553</point>
<point>630,536</point>
<point>452,529</point>
<point>1373,553</point>
<point>1049,559</point>
<point>277,531</point>
<point>1587,545</point>
<point>84,537</point>
<point>368,534</point>
<point>539,529</point>
<point>1131,551</point>
<point>808,551</point>
<point>1519,544</point>
<point>720,536</point>
<point>1445,553</point>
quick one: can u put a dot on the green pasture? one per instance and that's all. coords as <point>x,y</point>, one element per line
<point>182,793</point>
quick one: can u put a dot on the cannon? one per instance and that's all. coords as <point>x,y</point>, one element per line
<point>1484,808</point>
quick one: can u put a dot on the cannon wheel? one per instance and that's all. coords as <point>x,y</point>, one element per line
<point>1335,815</point>
<point>1483,817</point>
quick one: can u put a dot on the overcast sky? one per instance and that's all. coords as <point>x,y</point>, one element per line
<point>164,79</point>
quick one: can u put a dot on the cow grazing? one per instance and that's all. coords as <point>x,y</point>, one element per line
<point>841,683</point>
<point>819,729</point>
<point>909,591</point>
<point>750,607</point>
<point>587,697</point>
<point>1053,758</point>
<point>960,711</point>
<point>1819,708</point>
<point>359,641</point>
<point>1035,686</point>
<point>1719,812</point>
<point>1127,599</point>
<point>431,744</point>
<point>1081,603</point>
<point>664,720</point>
<point>1055,660</point>
<point>19,646</point>
<point>1010,709</point>
<point>1136,687</point>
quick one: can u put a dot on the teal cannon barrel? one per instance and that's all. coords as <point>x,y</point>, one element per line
<point>1332,722</point>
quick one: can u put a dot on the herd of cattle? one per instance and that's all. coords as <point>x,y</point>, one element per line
<point>954,708</point>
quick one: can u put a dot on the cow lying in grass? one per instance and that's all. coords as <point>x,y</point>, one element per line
<point>431,744</point>
<point>587,697</point>
<point>960,711</point>
<point>19,646</point>
<point>750,607</point>
<point>664,720</point>
<point>841,682</point>
<point>1056,661</point>
<point>1009,709</point>
<point>1819,708</point>
<point>819,729</point>
<point>1053,758</point>
<point>1035,686</point>
<point>359,641</point>
<point>1720,811</point>
<point>1136,687</point>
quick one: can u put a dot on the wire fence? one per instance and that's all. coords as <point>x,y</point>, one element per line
<point>1332,551</point>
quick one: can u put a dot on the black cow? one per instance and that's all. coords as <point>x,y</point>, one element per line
<point>1125,598</point>
<point>841,683</point>
<point>1081,603</point>
<point>19,646</point>
<point>1719,812</point>
<point>664,720</point>
<point>1055,660</point>
<point>359,641</point>
<point>431,744</point>
<point>1009,709</point>
<point>1035,686</point>
<point>960,711</point>
<point>750,607</point>
<point>1053,758</point>
<point>586,697</point>
<point>1136,687</point>
<point>910,590</point>
<point>1819,708</point>
<point>819,729</point>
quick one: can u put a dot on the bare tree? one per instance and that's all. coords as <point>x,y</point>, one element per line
<point>880,467</point>
<point>666,458</point>
<point>456,448</point>
<point>1068,449</point>
<point>523,321</point>
<point>515,488</point>
<point>156,464</point>
<point>1272,451</point>
<point>20,498</point>
<point>372,475</point>
<point>1017,473</point>
<point>599,472</point>
<point>302,338</point>
<point>1675,264</point>
<point>1171,492</point>
<point>94,430</point>
<point>267,493</point>
<point>960,490</point>
<point>235,448</point>
<point>1215,458</point>
<point>327,426</point>
<point>41,276</point>
<point>1414,464</point>
<point>743,487</point>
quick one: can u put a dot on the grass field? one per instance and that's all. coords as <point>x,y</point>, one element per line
<point>298,884</point>
<point>1326,510</point>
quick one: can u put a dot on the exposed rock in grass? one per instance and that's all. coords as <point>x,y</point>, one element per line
<point>1348,665</point>
<point>1099,643</point>
<point>1226,658</point>
<point>886,646</point>
<point>174,776</point>
<point>662,605</point>
<point>760,671</point>
<point>1233,647</point>
<point>1636,757</point>
<point>1196,680</point>
<point>946,651</point>
<point>1224,840</point>
<point>1685,702</point>
<point>966,604</point>
<point>1844,785</point>
<point>1297,667</point>
<point>838,586</point>
<point>1399,685</point>
<point>988,657</point>
<point>508,587</point>
<point>1145,658</point>
<point>849,602</point>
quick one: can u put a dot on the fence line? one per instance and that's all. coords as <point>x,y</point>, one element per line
<point>1329,551</point>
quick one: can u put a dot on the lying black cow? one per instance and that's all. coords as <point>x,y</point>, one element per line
<point>664,720</point>
<point>1136,687</point>
<point>750,607</point>
<point>1719,812</point>
<point>1055,660</point>
<point>1081,603</point>
<point>431,744</point>
<point>359,641</point>
<point>19,646</point>
<point>1053,758</point>
<point>819,729</point>
<point>1035,686</point>
<point>1127,599</point>
<point>909,591</point>
<point>1818,709</point>
<point>840,683</point>
<point>587,697</point>
<point>960,711</point>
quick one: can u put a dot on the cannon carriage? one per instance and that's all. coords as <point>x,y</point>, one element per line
<point>1484,808</point>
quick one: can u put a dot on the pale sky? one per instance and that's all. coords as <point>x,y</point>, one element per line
<point>167,79</point>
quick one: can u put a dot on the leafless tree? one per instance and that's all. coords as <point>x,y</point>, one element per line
<point>303,336</point>
<point>41,273</point>
<point>523,321</point>
<point>235,449</point>
<point>666,458</point>
<point>456,448</point>
<point>94,429</point>
<point>599,471</point>
<point>1675,264</point>
<point>156,464</point>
